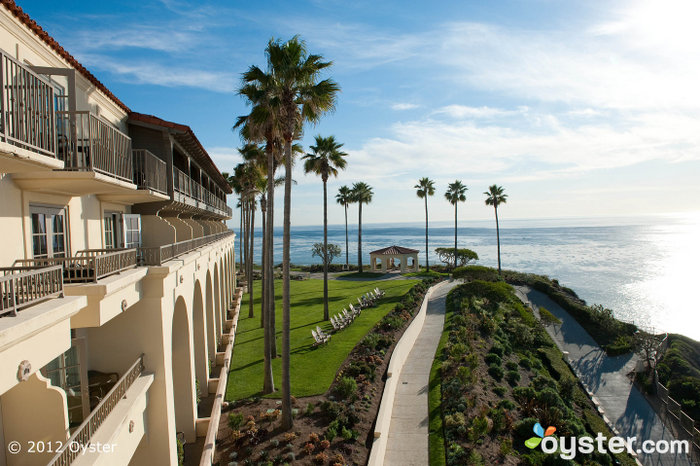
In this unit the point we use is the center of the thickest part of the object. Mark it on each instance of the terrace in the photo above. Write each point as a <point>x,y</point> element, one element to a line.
<point>190,192</point>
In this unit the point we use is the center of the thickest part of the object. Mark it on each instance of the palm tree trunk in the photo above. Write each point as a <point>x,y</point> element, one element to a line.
<point>347,253</point>
<point>427,265</point>
<point>268,380</point>
<point>240,239</point>
<point>454,265</point>
<point>263,281</point>
<point>287,421</point>
<point>325,252</point>
<point>271,253</point>
<point>359,241</point>
<point>251,308</point>
<point>498,239</point>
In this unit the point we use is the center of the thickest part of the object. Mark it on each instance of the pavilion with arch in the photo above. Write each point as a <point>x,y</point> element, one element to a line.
<point>394,257</point>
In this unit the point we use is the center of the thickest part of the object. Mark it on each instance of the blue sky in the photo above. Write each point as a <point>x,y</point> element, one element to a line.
<point>576,108</point>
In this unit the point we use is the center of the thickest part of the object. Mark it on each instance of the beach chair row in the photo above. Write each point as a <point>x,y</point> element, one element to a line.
<point>345,318</point>
<point>320,337</point>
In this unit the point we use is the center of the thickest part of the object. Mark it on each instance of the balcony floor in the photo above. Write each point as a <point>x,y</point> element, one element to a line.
<point>14,159</point>
<point>73,183</point>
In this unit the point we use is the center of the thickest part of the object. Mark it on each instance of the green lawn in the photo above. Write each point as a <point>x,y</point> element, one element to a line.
<point>312,369</point>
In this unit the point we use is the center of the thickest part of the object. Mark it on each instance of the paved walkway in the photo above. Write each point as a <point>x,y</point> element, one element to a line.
<point>408,434</point>
<point>606,377</point>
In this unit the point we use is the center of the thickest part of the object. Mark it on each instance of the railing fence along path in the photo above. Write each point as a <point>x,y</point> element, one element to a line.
<point>27,108</point>
<point>684,424</point>
<point>87,429</point>
<point>149,171</point>
<point>86,142</point>
<point>89,265</point>
<point>23,286</point>
<point>161,254</point>
<point>186,186</point>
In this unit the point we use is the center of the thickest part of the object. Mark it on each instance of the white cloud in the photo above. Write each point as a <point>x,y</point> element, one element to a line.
<point>404,106</point>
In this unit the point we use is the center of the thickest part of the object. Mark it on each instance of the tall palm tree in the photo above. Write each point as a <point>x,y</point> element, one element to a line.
<point>456,193</point>
<point>344,197</point>
<point>362,194</point>
<point>425,188</point>
<point>324,160</point>
<point>495,197</point>
<point>302,98</point>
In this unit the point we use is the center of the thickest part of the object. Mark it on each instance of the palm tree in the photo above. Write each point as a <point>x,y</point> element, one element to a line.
<point>344,197</point>
<point>455,194</point>
<point>425,188</point>
<point>362,194</point>
<point>325,160</point>
<point>495,197</point>
<point>302,97</point>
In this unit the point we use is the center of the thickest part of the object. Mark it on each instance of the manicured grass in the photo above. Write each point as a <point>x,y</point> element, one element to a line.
<point>361,275</point>
<point>312,369</point>
<point>425,274</point>
<point>436,434</point>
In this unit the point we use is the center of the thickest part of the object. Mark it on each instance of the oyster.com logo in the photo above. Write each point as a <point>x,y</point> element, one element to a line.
<point>533,442</point>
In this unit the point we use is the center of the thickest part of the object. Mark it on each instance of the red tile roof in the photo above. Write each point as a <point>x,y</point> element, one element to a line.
<point>394,250</point>
<point>188,139</point>
<point>55,46</point>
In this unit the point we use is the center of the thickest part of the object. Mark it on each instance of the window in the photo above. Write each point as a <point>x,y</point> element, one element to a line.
<point>112,224</point>
<point>132,230</point>
<point>68,372</point>
<point>48,232</point>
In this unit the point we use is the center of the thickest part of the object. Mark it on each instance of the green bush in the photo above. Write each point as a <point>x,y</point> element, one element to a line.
<point>346,388</point>
<point>497,350</point>
<point>506,404</point>
<point>513,377</point>
<point>547,317</point>
<point>477,272</point>
<point>492,358</point>
<point>500,390</point>
<point>235,420</point>
<point>525,363</point>
<point>510,365</point>
<point>496,372</point>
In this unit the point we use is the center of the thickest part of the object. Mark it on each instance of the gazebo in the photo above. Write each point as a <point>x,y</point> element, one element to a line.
<point>393,257</point>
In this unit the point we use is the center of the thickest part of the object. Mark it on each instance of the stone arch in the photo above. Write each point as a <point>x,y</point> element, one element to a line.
<point>224,291</point>
<point>199,321</point>
<point>217,301</point>
<point>182,373</point>
<point>211,318</point>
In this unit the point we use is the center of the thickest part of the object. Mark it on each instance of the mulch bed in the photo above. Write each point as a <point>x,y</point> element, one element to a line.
<point>350,413</point>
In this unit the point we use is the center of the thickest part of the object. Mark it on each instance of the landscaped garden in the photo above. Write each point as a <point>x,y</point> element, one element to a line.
<point>497,373</point>
<point>337,386</point>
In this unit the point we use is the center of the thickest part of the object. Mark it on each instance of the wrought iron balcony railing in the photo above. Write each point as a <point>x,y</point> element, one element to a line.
<point>87,429</point>
<point>27,106</point>
<point>161,254</point>
<point>149,171</point>
<point>21,287</point>
<point>87,266</point>
<point>190,188</point>
<point>88,143</point>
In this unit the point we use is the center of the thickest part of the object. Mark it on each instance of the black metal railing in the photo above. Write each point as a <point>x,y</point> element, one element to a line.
<point>88,266</point>
<point>161,254</point>
<point>88,143</point>
<point>149,171</point>
<point>21,287</point>
<point>81,437</point>
<point>27,106</point>
<point>186,186</point>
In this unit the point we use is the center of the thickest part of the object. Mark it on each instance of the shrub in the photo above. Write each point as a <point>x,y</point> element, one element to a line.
<point>391,322</point>
<point>497,350</point>
<point>235,420</point>
<point>324,445</point>
<point>330,409</point>
<point>510,365</point>
<point>492,358</point>
<point>523,429</point>
<point>548,318</point>
<point>513,377</point>
<point>309,448</point>
<point>525,363</point>
<point>289,437</point>
<point>321,458</point>
<point>506,404</point>
<point>500,390</point>
<point>477,272</point>
<point>523,394</point>
<point>313,437</point>
<point>346,388</point>
<point>338,458</point>
<point>549,397</point>
<point>567,386</point>
<point>496,372</point>
<point>348,434</point>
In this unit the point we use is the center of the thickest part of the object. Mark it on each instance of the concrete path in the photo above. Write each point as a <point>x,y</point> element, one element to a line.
<point>606,377</point>
<point>408,434</point>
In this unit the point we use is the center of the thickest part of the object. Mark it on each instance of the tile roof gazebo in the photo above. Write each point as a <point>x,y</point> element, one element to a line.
<point>391,255</point>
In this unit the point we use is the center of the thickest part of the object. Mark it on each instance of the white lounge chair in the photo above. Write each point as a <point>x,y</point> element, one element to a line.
<point>319,339</point>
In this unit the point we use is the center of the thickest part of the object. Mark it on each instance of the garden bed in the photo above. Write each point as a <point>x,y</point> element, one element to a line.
<point>333,428</point>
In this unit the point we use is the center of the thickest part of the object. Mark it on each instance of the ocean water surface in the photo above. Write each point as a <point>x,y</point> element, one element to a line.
<point>645,269</point>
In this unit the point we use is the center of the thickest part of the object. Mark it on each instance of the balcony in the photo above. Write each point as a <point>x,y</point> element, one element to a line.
<point>190,192</point>
<point>120,415</point>
<point>27,124</point>
<point>87,266</point>
<point>159,255</point>
<point>21,287</point>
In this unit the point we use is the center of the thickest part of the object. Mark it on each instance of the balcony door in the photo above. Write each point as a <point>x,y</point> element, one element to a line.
<point>48,232</point>
<point>122,230</point>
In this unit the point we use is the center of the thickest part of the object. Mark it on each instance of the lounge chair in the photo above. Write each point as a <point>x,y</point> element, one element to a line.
<point>318,339</point>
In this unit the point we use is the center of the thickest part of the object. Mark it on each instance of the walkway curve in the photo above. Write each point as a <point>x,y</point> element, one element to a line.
<point>407,442</point>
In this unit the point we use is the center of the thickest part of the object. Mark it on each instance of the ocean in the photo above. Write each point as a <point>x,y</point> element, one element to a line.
<point>645,269</point>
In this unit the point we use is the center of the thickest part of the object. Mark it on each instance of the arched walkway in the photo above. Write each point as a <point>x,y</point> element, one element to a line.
<point>200,340</point>
<point>182,373</point>
<point>211,319</point>
<point>217,301</point>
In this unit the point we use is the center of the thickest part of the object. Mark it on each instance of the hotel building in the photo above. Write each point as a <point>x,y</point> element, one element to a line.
<point>117,280</point>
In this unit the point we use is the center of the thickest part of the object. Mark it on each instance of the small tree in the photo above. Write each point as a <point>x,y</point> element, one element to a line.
<point>463,256</point>
<point>331,253</point>
<point>649,346</point>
